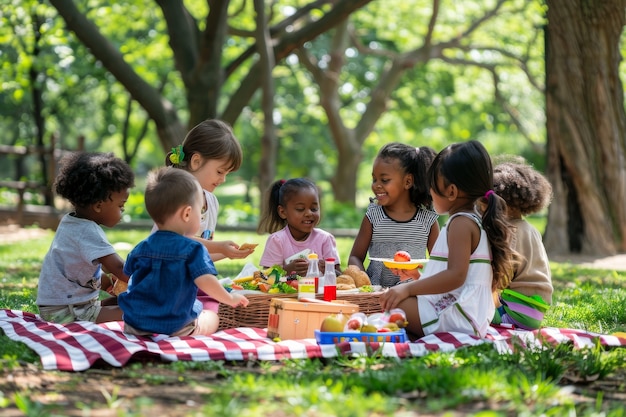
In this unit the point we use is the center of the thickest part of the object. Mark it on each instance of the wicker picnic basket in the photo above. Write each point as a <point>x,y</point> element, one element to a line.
<point>255,314</point>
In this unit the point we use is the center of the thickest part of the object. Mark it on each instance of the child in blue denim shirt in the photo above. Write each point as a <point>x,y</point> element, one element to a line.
<point>168,267</point>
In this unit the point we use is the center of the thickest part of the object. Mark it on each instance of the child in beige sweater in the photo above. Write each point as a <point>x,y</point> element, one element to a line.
<point>529,294</point>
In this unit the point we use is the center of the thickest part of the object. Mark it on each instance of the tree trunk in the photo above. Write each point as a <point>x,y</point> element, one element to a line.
<point>269,142</point>
<point>586,127</point>
<point>170,130</point>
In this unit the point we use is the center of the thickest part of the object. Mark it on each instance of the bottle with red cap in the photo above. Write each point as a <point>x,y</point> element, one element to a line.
<point>330,280</point>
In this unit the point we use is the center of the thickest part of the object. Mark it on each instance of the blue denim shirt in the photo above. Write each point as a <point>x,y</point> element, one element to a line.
<point>161,296</point>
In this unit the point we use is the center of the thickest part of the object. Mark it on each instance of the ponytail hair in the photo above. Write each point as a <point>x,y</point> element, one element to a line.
<point>212,139</point>
<point>278,194</point>
<point>414,161</point>
<point>468,166</point>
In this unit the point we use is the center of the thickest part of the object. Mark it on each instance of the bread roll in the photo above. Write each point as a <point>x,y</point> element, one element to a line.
<point>343,287</point>
<point>360,277</point>
<point>345,280</point>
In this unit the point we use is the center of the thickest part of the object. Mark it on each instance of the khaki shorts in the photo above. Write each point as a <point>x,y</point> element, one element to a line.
<point>205,324</point>
<point>185,331</point>
<point>73,312</point>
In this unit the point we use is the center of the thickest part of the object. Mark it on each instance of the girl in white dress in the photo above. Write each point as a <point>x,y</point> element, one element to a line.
<point>472,256</point>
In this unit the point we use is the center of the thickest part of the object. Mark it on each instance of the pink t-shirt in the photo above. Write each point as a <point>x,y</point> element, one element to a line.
<point>281,245</point>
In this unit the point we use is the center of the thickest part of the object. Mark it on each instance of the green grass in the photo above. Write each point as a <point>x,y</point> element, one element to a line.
<point>472,381</point>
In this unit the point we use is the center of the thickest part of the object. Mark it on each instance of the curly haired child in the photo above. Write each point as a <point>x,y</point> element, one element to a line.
<point>526,191</point>
<point>80,258</point>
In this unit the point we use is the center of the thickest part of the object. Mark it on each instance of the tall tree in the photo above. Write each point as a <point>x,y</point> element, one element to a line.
<point>333,73</point>
<point>198,49</point>
<point>586,125</point>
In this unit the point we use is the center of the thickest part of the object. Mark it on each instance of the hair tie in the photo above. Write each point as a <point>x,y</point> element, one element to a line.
<point>488,194</point>
<point>282,182</point>
<point>177,156</point>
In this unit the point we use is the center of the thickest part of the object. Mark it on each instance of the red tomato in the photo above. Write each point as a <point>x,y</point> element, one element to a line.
<point>293,283</point>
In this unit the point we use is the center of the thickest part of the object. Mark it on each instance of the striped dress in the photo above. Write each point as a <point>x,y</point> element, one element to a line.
<point>390,236</point>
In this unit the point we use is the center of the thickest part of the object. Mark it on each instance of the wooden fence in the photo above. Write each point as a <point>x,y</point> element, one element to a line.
<point>47,215</point>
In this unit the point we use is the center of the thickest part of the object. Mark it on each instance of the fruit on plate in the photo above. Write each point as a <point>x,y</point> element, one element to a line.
<point>393,327</point>
<point>355,322</point>
<point>369,328</point>
<point>333,323</point>
<point>398,317</point>
<point>402,256</point>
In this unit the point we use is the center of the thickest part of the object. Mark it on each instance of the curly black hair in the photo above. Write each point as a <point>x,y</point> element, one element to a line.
<point>87,178</point>
<point>522,187</point>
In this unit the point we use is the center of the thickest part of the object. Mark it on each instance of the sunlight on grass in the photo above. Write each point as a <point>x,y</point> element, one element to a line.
<point>477,380</point>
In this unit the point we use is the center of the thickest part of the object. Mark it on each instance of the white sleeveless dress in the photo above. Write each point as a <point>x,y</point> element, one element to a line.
<point>469,308</point>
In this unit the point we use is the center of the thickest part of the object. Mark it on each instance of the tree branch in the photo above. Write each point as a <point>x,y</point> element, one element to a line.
<point>340,11</point>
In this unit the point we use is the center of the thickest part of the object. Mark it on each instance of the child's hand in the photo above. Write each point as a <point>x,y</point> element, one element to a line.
<point>300,266</point>
<point>407,274</point>
<point>393,296</point>
<point>238,300</point>
<point>231,250</point>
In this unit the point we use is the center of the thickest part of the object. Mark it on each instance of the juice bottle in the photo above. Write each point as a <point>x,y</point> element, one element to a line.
<point>330,280</point>
<point>306,287</point>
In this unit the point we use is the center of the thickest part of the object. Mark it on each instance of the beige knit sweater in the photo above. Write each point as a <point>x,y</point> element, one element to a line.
<point>533,275</point>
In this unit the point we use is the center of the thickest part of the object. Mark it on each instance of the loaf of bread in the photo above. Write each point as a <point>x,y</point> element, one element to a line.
<point>360,277</point>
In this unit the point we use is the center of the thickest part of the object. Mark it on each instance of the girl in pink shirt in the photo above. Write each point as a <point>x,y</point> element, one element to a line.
<point>292,212</point>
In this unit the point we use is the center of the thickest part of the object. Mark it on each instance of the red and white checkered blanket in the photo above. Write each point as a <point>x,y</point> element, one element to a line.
<point>78,346</point>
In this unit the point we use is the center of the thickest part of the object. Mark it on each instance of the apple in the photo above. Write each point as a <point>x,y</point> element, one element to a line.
<point>332,323</point>
<point>398,317</point>
<point>402,256</point>
<point>354,324</point>
<point>293,283</point>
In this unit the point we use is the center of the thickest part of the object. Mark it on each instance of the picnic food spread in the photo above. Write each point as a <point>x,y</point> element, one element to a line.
<point>358,327</point>
<point>275,280</point>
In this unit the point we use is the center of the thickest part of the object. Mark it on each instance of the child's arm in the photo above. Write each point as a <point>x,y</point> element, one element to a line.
<point>223,249</point>
<point>432,236</point>
<point>210,285</point>
<point>463,237</point>
<point>114,264</point>
<point>361,244</point>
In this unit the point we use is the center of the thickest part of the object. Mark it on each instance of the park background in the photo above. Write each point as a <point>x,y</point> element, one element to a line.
<point>315,88</point>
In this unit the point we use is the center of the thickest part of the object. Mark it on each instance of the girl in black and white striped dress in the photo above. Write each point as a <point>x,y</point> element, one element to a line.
<point>400,217</point>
